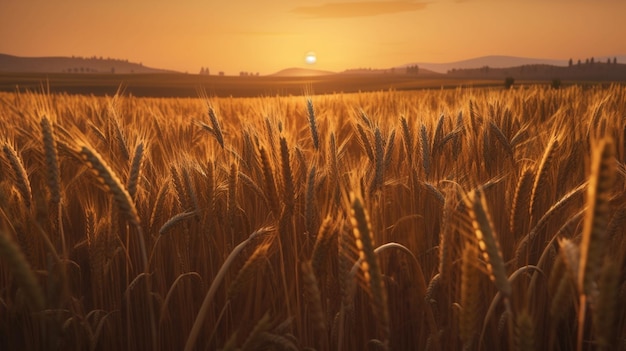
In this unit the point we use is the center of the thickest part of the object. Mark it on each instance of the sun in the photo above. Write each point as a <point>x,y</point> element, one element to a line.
<point>310,58</point>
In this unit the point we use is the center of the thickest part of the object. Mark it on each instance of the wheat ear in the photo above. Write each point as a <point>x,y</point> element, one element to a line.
<point>110,180</point>
<point>313,124</point>
<point>52,160</point>
<point>605,317</point>
<point>361,228</point>
<point>519,207</point>
<point>288,187</point>
<point>206,303</point>
<point>21,178</point>
<point>425,143</point>
<point>313,295</point>
<point>216,130</point>
<point>135,167</point>
<point>593,243</point>
<point>469,318</point>
<point>22,271</point>
<point>169,225</point>
<point>488,243</point>
<point>541,178</point>
<point>524,332</point>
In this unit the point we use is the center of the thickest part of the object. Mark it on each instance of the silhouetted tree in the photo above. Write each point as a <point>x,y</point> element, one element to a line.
<point>591,61</point>
<point>614,60</point>
<point>412,69</point>
<point>586,61</point>
<point>571,62</point>
<point>579,62</point>
<point>508,82</point>
<point>608,61</point>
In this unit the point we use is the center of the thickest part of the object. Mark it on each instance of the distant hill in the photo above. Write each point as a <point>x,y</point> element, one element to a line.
<point>420,72</point>
<point>9,63</point>
<point>301,72</point>
<point>496,61</point>
<point>597,71</point>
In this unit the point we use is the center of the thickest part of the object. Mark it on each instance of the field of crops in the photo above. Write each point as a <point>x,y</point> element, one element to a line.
<point>434,220</point>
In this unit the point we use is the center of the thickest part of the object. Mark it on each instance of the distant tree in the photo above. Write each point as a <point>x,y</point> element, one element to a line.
<point>614,60</point>
<point>201,70</point>
<point>579,62</point>
<point>508,82</point>
<point>608,61</point>
<point>586,61</point>
<point>571,62</point>
<point>412,69</point>
<point>591,61</point>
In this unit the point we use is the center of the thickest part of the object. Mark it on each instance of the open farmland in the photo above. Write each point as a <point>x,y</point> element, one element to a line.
<point>188,85</point>
<point>434,220</point>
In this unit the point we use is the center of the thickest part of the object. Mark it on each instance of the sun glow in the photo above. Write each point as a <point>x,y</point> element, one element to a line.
<point>310,58</point>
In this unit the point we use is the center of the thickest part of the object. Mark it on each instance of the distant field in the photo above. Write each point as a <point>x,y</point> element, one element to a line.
<point>188,85</point>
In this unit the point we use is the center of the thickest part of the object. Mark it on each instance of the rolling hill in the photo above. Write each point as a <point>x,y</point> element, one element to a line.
<point>58,64</point>
<point>498,61</point>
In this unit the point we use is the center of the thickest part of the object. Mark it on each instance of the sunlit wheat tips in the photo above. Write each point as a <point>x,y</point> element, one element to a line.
<point>133,177</point>
<point>407,138</point>
<point>593,244</point>
<point>216,129</point>
<point>426,152</point>
<point>541,178</point>
<point>313,124</point>
<point>288,186</point>
<point>21,178</point>
<point>323,241</point>
<point>110,180</point>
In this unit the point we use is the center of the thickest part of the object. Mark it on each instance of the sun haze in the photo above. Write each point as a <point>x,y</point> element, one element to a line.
<point>268,36</point>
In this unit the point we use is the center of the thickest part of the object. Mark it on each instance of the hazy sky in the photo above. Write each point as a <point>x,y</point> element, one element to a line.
<point>266,36</point>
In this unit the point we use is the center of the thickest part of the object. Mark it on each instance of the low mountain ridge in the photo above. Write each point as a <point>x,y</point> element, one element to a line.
<point>60,64</point>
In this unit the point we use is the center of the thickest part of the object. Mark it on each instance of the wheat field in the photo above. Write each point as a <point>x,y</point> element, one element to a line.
<point>462,219</point>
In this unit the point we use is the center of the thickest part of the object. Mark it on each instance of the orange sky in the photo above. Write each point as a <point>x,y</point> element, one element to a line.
<point>266,36</point>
